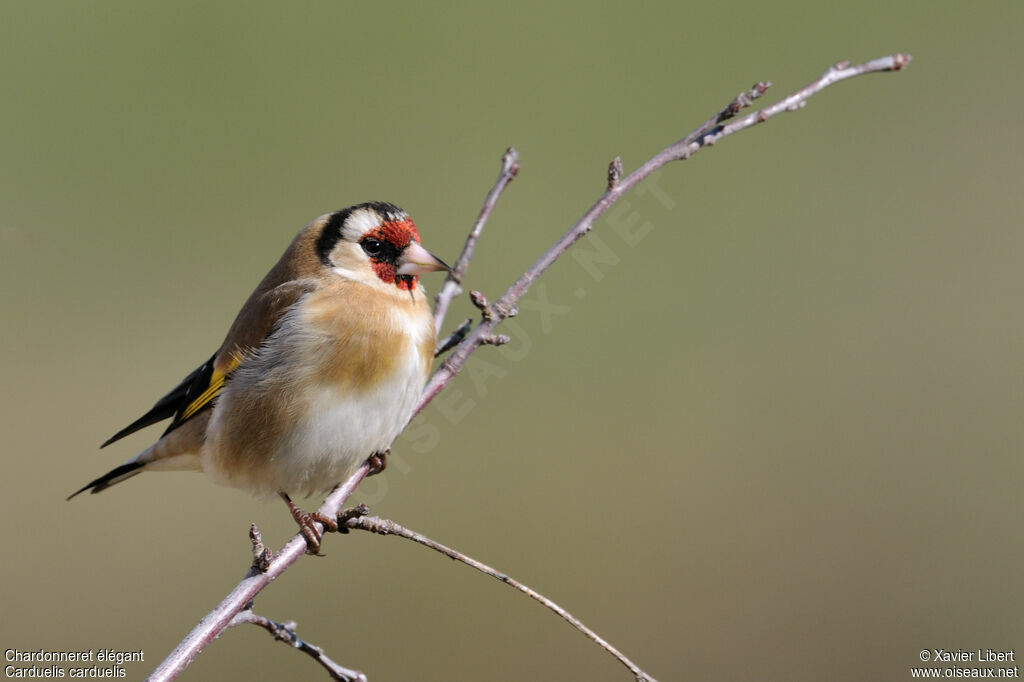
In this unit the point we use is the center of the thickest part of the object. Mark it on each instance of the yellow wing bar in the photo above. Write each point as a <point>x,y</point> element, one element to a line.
<point>216,384</point>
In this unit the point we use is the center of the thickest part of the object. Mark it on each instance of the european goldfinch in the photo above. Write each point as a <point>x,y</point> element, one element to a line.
<point>319,372</point>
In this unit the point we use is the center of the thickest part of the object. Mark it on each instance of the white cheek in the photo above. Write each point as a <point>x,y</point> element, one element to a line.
<point>346,273</point>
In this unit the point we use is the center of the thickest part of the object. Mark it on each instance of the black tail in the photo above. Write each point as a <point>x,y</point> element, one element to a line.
<point>121,473</point>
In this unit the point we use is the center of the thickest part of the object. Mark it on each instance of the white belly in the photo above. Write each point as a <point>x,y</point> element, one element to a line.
<point>281,425</point>
<point>339,431</point>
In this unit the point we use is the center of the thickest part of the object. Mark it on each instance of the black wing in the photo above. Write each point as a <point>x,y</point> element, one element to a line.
<point>178,403</point>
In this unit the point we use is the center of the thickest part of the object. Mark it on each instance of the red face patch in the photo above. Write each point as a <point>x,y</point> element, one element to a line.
<point>398,233</point>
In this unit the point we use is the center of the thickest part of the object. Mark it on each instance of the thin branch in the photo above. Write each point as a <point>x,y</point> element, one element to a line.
<point>452,285</point>
<point>285,632</point>
<point>214,623</point>
<point>710,132</point>
<point>381,526</point>
<point>713,130</point>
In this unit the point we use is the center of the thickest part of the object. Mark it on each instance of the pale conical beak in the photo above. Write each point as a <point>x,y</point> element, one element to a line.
<point>415,260</point>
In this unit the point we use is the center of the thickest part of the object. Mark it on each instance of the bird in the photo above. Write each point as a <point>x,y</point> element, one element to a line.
<point>320,371</point>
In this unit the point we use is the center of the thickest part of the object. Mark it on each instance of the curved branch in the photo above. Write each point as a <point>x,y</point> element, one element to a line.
<point>381,526</point>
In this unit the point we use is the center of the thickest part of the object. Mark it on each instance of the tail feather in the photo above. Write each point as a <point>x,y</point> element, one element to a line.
<point>175,451</point>
<point>121,473</point>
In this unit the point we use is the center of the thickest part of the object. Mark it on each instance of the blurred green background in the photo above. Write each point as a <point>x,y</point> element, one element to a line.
<point>777,438</point>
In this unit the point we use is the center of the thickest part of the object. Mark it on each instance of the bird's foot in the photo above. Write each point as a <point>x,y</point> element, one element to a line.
<point>378,462</point>
<point>307,525</point>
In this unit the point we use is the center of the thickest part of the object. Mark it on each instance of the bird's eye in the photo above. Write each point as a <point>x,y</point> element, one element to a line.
<point>372,247</point>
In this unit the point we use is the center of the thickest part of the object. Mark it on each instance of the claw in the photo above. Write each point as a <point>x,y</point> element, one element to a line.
<point>378,462</point>
<point>307,525</point>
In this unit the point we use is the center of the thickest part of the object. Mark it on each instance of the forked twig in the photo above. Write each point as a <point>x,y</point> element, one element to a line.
<point>705,135</point>
<point>259,576</point>
<point>285,632</point>
<point>452,284</point>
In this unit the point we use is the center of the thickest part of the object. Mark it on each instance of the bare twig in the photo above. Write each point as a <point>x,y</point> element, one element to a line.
<point>285,632</point>
<point>381,526</point>
<point>213,623</point>
<point>452,285</point>
<point>710,132</point>
<point>713,130</point>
